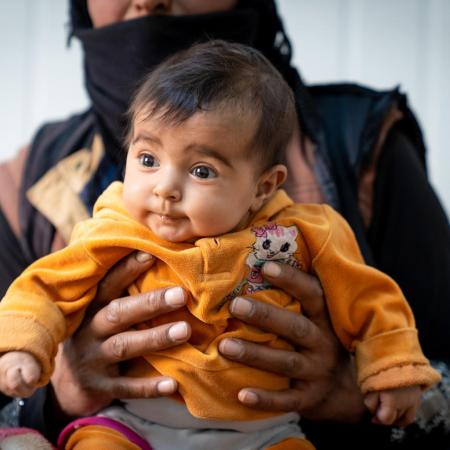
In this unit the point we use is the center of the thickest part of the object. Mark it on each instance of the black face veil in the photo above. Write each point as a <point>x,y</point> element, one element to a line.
<point>117,56</point>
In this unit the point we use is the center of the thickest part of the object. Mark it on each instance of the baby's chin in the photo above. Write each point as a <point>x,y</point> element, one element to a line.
<point>173,235</point>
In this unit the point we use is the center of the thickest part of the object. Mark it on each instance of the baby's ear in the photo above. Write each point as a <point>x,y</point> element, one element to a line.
<point>267,184</point>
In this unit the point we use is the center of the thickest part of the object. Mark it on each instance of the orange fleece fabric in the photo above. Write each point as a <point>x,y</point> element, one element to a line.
<point>99,437</point>
<point>368,311</point>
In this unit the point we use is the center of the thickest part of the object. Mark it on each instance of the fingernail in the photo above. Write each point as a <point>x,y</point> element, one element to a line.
<point>248,397</point>
<point>166,386</point>
<point>178,332</point>
<point>241,307</point>
<point>231,347</point>
<point>143,257</point>
<point>272,269</point>
<point>174,296</point>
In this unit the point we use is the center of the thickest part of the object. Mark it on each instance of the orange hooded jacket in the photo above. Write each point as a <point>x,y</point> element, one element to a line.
<point>367,309</point>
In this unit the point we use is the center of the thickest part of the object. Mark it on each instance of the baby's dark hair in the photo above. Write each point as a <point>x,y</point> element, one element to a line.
<point>215,75</point>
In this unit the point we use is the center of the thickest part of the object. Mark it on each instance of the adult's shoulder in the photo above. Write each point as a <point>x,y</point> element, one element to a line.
<point>353,123</point>
<point>54,141</point>
<point>353,116</point>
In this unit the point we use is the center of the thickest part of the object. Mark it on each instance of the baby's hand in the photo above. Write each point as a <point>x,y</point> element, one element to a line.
<point>394,406</point>
<point>19,374</point>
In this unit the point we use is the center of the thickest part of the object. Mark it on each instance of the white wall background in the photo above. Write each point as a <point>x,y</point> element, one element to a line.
<point>382,43</point>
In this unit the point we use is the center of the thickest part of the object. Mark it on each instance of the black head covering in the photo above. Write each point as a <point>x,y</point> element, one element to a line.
<point>79,15</point>
<point>117,56</point>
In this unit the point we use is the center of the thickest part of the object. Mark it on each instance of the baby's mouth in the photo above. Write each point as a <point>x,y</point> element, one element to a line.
<point>168,219</point>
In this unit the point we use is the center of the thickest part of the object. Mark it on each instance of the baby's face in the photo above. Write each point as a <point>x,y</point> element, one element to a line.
<point>194,179</point>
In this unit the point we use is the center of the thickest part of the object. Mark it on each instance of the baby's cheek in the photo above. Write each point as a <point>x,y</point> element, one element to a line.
<point>213,219</point>
<point>134,207</point>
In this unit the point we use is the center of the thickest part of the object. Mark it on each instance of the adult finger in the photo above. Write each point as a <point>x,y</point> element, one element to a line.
<point>296,328</point>
<point>287,400</point>
<point>132,344</point>
<point>300,285</point>
<point>128,387</point>
<point>121,314</point>
<point>121,276</point>
<point>286,363</point>
<point>313,398</point>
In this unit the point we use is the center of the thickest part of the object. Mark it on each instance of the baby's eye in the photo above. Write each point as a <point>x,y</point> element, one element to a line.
<point>148,160</point>
<point>203,172</point>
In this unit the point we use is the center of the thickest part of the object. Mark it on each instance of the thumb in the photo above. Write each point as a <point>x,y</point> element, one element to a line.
<point>371,401</point>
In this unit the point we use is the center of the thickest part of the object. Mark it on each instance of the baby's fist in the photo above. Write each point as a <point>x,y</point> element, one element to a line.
<point>19,374</point>
<point>396,407</point>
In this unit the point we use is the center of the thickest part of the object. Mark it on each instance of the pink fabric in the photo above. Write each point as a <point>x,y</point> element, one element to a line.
<point>24,438</point>
<point>130,434</point>
<point>5,432</point>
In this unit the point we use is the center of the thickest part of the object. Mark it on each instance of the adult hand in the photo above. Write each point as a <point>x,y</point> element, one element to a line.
<point>87,376</point>
<point>323,376</point>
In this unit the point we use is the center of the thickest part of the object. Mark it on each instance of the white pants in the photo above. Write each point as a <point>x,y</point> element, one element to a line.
<point>164,437</point>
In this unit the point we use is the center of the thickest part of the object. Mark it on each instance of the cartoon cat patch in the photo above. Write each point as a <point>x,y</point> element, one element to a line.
<point>272,243</point>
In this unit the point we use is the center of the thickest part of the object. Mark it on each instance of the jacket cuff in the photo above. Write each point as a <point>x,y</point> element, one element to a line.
<point>398,350</point>
<point>403,376</point>
<point>22,333</point>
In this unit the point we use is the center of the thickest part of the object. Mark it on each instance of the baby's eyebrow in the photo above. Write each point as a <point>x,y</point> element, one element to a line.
<point>207,151</point>
<point>146,137</point>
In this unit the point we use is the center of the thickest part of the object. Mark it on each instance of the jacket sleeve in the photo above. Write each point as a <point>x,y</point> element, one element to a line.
<point>47,302</point>
<point>369,313</point>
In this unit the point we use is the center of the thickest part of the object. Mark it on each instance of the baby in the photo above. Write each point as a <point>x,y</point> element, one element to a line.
<point>208,132</point>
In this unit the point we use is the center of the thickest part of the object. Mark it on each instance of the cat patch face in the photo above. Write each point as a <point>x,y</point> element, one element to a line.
<point>275,242</point>
<point>272,243</point>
